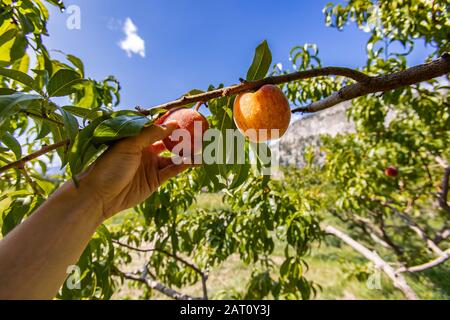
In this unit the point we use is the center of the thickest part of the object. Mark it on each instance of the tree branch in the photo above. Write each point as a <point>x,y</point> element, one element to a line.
<point>441,259</point>
<point>157,286</point>
<point>202,274</point>
<point>384,83</point>
<point>413,226</point>
<point>397,279</point>
<point>254,85</point>
<point>365,85</point>
<point>442,235</point>
<point>419,231</point>
<point>371,229</point>
<point>444,190</point>
<point>21,162</point>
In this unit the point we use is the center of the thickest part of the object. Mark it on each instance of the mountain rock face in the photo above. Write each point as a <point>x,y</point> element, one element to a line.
<point>306,132</point>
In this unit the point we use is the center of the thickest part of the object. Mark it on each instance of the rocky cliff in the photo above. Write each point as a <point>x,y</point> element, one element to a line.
<point>306,132</point>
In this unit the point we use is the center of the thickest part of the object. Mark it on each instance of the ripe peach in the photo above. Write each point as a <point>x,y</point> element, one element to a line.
<point>391,171</point>
<point>267,108</point>
<point>186,119</point>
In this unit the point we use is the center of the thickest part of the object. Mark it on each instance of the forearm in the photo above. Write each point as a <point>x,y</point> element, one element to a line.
<point>34,256</point>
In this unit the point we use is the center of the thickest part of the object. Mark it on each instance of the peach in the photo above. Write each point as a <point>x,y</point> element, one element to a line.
<point>186,119</point>
<point>264,110</point>
<point>391,171</point>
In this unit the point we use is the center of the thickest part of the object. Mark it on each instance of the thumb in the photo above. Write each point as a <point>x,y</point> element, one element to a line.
<point>154,133</point>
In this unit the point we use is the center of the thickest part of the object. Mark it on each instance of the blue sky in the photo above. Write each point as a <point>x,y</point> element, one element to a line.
<point>191,44</point>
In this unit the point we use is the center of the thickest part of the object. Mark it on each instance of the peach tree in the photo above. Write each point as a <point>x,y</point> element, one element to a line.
<point>386,183</point>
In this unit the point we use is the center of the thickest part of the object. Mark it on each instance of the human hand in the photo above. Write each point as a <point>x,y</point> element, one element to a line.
<point>130,170</point>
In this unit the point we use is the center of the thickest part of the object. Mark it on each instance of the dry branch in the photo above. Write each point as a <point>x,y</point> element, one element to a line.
<point>254,85</point>
<point>444,191</point>
<point>203,275</point>
<point>21,162</point>
<point>158,287</point>
<point>441,259</point>
<point>419,231</point>
<point>397,279</point>
<point>365,84</point>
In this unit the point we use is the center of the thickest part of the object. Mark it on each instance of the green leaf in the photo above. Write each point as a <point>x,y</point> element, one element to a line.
<point>8,103</point>
<point>83,149</point>
<point>19,47</point>
<point>18,76</point>
<point>77,63</point>
<point>7,36</point>
<point>261,62</point>
<point>41,79</point>
<point>62,83</point>
<point>84,113</point>
<point>87,95</point>
<point>119,127</point>
<point>6,91</point>
<point>241,176</point>
<point>12,143</point>
<point>44,129</point>
<point>13,216</point>
<point>59,135</point>
<point>70,123</point>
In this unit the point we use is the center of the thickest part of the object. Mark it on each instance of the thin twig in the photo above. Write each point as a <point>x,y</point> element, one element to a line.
<point>21,162</point>
<point>157,286</point>
<point>187,263</point>
<point>254,85</point>
<point>202,274</point>
<point>397,279</point>
<point>439,260</point>
<point>444,191</point>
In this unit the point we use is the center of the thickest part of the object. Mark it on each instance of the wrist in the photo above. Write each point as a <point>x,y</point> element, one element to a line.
<point>85,202</point>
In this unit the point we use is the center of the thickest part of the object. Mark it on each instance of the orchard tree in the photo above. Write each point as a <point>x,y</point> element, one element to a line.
<point>184,242</point>
<point>388,182</point>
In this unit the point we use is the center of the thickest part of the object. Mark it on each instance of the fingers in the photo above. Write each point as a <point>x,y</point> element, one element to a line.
<point>167,161</point>
<point>154,133</point>
<point>158,147</point>
<point>171,171</point>
<point>164,162</point>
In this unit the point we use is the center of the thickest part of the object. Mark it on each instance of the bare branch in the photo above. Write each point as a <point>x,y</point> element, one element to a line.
<point>384,83</point>
<point>254,85</point>
<point>187,263</point>
<point>441,162</point>
<point>444,191</point>
<point>158,286</point>
<point>397,279</point>
<point>439,260</point>
<point>413,226</point>
<point>442,235</point>
<point>21,162</point>
<point>202,274</point>
<point>375,232</point>
<point>419,231</point>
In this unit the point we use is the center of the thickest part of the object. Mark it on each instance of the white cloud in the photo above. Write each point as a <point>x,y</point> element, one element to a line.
<point>132,43</point>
